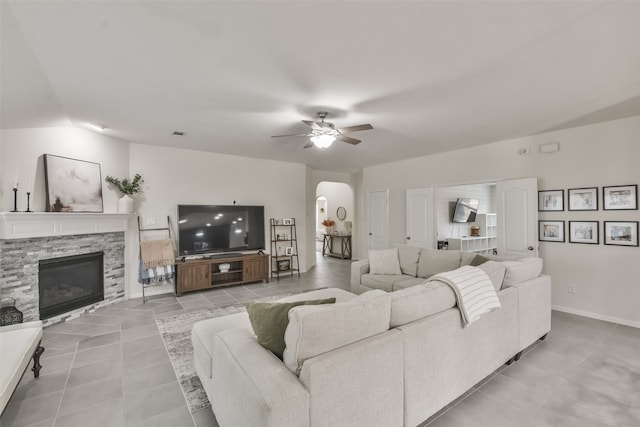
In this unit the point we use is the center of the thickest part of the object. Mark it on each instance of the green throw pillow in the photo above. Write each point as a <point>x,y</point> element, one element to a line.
<point>270,319</point>
<point>478,260</point>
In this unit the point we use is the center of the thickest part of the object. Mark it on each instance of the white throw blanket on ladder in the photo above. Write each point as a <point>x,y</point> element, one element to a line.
<point>474,291</point>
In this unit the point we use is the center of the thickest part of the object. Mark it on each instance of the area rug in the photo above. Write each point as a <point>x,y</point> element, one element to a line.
<point>176,335</point>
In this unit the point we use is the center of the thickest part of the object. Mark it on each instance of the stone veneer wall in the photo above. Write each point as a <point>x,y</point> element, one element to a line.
<point>19,268</point>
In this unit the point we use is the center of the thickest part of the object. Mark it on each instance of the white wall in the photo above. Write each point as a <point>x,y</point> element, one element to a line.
<point>607,277</point>
<point>22,151</point>
<point>175,176</point>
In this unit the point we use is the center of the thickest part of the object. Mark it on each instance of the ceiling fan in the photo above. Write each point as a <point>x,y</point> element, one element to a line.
<point>324,133</point>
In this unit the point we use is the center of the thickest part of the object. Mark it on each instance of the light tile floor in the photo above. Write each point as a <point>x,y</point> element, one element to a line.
<point>110,368</point>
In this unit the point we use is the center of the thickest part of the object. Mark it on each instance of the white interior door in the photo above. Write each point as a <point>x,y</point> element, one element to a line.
<point>378,204</point>
<point>420,218</point>
<point>517,209</point>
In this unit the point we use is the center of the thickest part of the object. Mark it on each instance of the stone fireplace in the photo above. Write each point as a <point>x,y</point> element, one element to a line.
<point>31,243</point>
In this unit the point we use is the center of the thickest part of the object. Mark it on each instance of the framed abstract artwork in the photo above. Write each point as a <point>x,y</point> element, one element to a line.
<point>72,185</point>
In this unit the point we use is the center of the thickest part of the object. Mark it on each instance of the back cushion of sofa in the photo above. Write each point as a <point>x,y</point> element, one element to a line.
<point>466,258</point>
<point>409,257</point>
<point>314,330</point>
<point>496,271</point>
<point>384,261</point>
<point>433,261</point>
<point>416,302</point>
<point>521,270</point>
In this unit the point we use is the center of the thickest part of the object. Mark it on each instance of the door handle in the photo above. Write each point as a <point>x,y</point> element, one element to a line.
<point>530,248</point>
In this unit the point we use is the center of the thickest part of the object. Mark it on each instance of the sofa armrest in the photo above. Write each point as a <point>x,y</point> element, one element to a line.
<point>534,309</point>
<point>252,386</point>
<point>358,268</point>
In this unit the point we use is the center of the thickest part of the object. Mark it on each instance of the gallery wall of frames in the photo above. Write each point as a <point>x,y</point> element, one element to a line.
<point>613,198</point>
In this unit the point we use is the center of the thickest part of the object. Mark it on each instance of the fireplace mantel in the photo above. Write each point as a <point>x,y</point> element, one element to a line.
<point>24,225</point>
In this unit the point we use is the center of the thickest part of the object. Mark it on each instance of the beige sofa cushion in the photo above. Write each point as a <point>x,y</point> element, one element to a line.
<point>495,271</point>
<point>386,282</point>
<point>384,262</point>
<point>204,331</point>
<point>466,258</point>
<point>520,270</point>
<point>269,320</point>
<point>419,301</point>
<point>404,284</point>
<point>409,257</point>
<point>314,330</point>
<point>433,261</point>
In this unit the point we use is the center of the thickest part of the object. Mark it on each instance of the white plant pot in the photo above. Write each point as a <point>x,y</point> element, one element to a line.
<point>125,204</point>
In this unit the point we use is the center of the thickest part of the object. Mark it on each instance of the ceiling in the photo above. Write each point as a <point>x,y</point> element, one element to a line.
<point>429,76</point>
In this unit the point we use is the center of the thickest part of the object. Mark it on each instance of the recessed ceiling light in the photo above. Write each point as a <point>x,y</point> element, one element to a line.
<point>179,133</point>
<point>99,128</point>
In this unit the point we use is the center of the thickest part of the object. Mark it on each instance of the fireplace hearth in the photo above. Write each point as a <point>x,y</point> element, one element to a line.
<point>70,282</point>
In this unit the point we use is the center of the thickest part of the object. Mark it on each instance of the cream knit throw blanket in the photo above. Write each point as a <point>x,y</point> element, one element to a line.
<point>157,253</point>
<point>474,291</point>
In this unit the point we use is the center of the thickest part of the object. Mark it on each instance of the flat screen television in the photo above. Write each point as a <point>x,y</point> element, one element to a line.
<point>206,229</point>
<point>465,210</point>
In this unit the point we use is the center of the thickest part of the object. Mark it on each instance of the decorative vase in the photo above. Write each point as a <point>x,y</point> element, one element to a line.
<point>125,204</point>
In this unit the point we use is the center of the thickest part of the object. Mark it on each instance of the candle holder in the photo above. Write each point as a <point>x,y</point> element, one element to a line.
<point>28,197</point>
<point>15,199</point>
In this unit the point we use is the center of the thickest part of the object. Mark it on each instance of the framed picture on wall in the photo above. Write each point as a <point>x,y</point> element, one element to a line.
<point>620,197</point>
<point>583,199</point>
<point>72,185</point>
<point>621,233</point>
<point>551,200</point>
<point>551,231</point>
<point>584,232</point>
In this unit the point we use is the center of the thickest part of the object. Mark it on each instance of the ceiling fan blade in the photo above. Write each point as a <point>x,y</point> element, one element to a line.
<point>313,124</point>
<point>308,145</point>
<point>355,128</point>
<point>294,134</point>
<point>348,139</point>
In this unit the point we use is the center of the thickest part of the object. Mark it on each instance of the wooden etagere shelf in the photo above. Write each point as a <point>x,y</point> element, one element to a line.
<point>284,246</point>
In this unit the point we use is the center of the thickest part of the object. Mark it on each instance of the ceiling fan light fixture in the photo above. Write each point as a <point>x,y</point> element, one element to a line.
<point>323,141</point>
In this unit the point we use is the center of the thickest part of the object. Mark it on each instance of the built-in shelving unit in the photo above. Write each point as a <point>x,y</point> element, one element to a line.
<point>485,243</point>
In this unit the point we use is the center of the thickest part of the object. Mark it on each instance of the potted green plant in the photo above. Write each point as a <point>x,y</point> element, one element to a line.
<point>128,188</point>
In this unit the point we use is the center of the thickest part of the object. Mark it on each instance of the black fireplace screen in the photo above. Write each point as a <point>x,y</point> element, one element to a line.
<point>70,282</point>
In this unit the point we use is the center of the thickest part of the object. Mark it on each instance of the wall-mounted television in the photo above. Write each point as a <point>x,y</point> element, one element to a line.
<point>465,210</point>
<point>206,229</point>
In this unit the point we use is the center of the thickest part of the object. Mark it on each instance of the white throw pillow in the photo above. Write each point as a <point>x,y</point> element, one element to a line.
<point>384,261</point>
<point>526,268</point>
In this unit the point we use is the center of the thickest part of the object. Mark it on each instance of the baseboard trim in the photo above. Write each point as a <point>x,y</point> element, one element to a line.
<point>596,316</point>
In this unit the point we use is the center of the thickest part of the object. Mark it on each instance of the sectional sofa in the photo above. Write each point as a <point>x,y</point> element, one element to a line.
<point>387,357</point>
